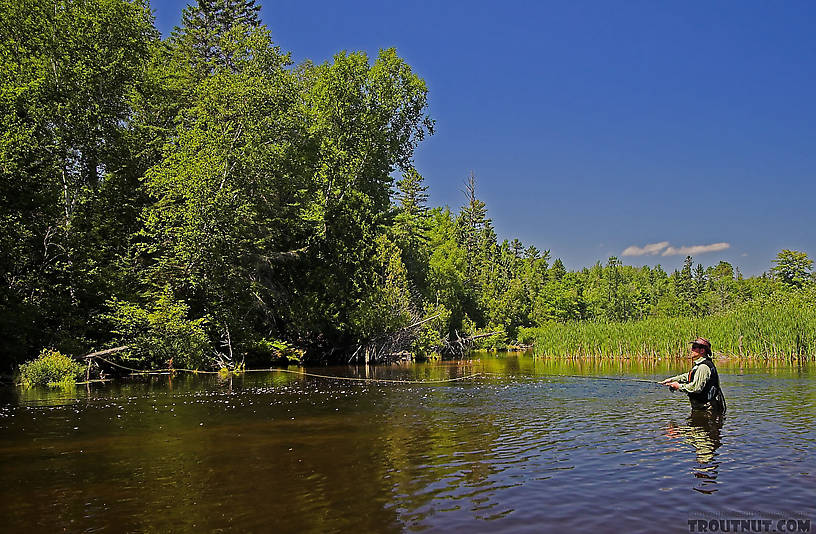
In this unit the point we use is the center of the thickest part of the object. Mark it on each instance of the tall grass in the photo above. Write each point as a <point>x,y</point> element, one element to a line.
<point>782,326</point>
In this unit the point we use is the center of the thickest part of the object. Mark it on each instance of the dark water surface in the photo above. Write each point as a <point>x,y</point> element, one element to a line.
<point>517,451</point>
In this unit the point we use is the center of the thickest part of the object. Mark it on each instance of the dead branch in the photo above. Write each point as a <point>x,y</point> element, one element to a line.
<point>479,336</point>
<point>106,351</point>
<point>422,321</point>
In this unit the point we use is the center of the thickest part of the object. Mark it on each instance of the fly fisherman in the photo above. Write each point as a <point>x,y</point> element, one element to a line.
<point>702,383</point>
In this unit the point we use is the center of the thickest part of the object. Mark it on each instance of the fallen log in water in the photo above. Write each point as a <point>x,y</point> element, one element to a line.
<point>106,351</point>
<point>461,345</point>
<point>384,348</point>
<point>90,357</point>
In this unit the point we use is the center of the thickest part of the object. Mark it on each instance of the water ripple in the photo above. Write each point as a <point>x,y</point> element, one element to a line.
<point>515,452</point>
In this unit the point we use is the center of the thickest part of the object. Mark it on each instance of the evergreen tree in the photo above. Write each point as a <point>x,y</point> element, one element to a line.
<point>412,195</point>
<point>472,221</point>
<point>557,271</point>
<point>411,226</point>
<point>517,247</point>
<point>532,253</point>
<point>207,28</point>
<point>792,268</point>
<point>700,277</point>
<point>684,282</point>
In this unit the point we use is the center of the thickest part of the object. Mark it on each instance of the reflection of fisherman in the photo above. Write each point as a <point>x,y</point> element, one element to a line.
<point>702,431</point>
<point>702,383</point>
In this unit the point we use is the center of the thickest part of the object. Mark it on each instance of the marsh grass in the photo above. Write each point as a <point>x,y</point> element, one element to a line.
<point>782,327</point>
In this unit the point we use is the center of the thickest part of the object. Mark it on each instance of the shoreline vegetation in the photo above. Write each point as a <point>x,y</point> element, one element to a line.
<point>782,327</point>
<point>211,205</point>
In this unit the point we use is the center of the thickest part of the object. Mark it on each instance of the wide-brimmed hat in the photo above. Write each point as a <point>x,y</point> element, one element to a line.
<point>703,342</point>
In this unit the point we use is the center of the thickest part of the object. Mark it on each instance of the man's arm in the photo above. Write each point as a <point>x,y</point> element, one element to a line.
<point>681,379</point>
<point>700,378</point>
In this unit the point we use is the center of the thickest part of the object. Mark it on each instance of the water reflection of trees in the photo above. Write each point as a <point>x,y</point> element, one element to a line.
<point>428,463</point>
<point>702,430</point>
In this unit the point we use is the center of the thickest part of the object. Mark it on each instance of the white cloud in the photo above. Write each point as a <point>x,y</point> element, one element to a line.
<point>695,249</point>
<point>664,249</point>
<point>649,250</point>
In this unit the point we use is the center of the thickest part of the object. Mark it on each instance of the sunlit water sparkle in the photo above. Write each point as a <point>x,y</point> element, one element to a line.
<point>518,450</point>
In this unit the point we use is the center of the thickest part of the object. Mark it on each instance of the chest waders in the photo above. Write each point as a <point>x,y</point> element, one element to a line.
<point>711,394</point>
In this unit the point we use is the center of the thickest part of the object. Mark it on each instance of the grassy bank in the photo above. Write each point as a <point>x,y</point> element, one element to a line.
<point>773,328</point>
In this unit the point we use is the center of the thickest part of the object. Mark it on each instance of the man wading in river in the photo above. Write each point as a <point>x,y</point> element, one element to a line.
<point>702,383</point>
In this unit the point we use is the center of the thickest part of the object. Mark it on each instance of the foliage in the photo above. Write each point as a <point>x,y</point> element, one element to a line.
<point>792,268</point>
<point>527,335</point>
<point>432,332</point>
<point>161,335</point>
<point>278,352</point>
<point>494,338</point>
<point>68,70</point>
<point>202,199</point>
<point>51,368</point>
<point>387,305</point>
<point>411,227</point>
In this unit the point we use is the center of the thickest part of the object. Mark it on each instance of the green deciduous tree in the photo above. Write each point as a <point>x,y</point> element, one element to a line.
<point>270,201</point>
<point>68,71</point>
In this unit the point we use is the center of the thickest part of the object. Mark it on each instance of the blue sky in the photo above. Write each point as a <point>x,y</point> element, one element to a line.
<point>595,128</point>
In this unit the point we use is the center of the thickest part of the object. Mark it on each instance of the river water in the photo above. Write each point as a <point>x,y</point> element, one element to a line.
<point>520,449</point>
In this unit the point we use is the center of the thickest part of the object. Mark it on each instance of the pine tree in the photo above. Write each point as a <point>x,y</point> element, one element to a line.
<point>684,286</point>
<point>517,247</point>
<point>700,278</point>
<point>532,253</point>
<point>205,27</point>
<point>792,268</point>
<point>412,224</point>
<point>557,271</point>
<point>412,196</point>
<point>472,221</point>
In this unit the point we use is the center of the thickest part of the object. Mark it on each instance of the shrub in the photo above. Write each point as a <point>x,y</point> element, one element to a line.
<point>51,368</point>
<point>430,335</point>
<point>526,335</point>
<point>278,352</point>
<point>497,340</point>
<point>161,332</point>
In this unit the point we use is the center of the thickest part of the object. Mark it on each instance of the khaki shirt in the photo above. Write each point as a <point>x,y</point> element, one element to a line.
<point>700,378</point>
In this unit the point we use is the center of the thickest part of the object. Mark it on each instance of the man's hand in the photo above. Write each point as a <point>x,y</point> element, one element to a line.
<point>674,385</point>
<point>666,382</point>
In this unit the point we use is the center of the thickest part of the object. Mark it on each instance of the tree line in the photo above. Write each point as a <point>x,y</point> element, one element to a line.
<point>203,199</point>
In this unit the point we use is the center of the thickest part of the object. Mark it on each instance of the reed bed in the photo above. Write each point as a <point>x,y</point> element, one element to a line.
<point>779,328</point>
